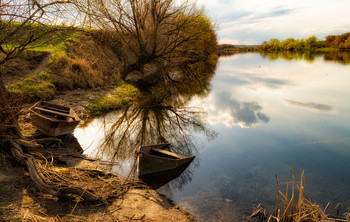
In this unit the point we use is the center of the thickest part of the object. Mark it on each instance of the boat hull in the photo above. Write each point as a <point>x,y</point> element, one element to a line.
<point>151,165</point>
<point>157,180</point>
<point>54,126</point>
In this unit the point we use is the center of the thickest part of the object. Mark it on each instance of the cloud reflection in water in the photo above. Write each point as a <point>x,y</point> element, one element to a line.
<point>316,107</point>
<point>233,112</point>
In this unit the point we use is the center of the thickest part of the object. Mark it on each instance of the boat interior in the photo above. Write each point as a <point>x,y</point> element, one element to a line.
<point>57,112</point>
<point>164,153</point>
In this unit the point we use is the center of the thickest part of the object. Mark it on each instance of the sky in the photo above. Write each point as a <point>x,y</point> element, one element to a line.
<point>255,21</point>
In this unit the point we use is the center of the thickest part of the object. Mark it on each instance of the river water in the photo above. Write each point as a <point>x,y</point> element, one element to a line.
<point>271,115</point>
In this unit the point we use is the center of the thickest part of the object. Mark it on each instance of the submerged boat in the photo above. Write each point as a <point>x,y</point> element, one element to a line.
<point>153,160</point>
<point>52,119</point>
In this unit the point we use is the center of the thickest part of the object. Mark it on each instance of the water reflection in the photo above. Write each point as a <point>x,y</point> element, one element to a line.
<point>234,112</point>
<point>270,101</point>
<point>160,114</point>
<point>237,169</point>
<point>342,57</point>
<point>312,106</point>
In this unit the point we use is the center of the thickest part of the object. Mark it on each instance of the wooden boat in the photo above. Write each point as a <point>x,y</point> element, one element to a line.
<point>153,159</point>
<point>53,120</point>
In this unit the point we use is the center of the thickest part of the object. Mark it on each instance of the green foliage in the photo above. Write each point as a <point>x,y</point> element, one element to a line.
<point>311,42</point>
<point>347,43</point>
<point>274,44</point>
<point>287,44</point>
<point>204,43</point>
<point>332,43</point>
<point>39,85</point>
<point>290,44</point>
<point>115,100</point>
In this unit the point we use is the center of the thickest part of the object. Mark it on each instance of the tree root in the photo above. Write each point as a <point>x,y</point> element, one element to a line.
<point>50,140</point>
<point>28,144</point>
<point>56,189</point>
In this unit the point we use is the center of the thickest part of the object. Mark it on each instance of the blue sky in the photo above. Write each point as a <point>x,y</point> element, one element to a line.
<point>254,21</point>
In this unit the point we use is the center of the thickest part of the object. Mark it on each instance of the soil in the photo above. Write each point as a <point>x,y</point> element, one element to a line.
<point>28,64</point>
<point>20,200</point>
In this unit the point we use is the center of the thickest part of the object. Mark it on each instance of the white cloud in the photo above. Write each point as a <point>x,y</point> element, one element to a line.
<point>253,21</point>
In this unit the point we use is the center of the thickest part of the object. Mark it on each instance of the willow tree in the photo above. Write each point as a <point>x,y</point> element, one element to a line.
<point>25,24</point>
<point>153,34</point>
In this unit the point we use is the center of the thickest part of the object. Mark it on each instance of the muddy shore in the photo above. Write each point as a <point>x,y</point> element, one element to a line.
<point>21,200</point>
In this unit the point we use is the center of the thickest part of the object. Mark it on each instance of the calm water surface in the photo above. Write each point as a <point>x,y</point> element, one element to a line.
<point>271,116</point>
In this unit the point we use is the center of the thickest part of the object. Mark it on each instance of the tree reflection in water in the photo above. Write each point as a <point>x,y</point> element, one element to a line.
<point>161,114</point>
<point>342,57</point>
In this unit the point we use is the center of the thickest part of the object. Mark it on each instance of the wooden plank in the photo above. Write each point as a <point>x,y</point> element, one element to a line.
<point>54,112</point>
<point>167,153</point>
<point>54,109</point>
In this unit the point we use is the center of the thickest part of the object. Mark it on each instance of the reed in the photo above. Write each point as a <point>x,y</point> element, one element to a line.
<point>302,211</point>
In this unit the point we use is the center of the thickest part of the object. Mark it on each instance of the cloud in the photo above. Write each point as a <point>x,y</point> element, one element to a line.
<point>233,112</point>
<point>252,78</point>
<point>311,106</point>
<point>233,16</point>
<point>251,27</point>
<point>269,82</point>
<point>250,17</point>
<point>225,1</point>
<point>254,21</point>
<point>277,12</point>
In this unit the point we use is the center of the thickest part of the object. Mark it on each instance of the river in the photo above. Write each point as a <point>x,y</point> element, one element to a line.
<point>267,115</point>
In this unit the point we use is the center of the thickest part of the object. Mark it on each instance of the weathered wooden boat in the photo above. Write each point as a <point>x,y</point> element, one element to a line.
<point>153,159</point>
<point>52,119</point>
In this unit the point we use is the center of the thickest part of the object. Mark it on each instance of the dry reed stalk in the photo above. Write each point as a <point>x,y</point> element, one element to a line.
<point>293,187</point>
<point>305,210</point>
<point>278,195</point>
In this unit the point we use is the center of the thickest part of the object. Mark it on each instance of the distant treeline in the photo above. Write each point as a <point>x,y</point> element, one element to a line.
<point>332,42</point>
<point>229,49</point>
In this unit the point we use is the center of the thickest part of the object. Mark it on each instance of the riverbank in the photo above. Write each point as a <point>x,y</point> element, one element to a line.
<point>21,200</point>
<point>45,79</point>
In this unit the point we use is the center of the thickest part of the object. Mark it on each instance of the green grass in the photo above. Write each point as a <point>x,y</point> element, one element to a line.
<point>116,99</point>
<point>39,85</point>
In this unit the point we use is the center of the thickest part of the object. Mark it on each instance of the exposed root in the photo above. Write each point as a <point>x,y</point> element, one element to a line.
<point>61,183</point>
<point>49,140</point>
<point>67,182</point>
<point>28,144</point>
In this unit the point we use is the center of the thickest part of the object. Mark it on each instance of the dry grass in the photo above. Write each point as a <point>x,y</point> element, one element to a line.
<point>294,207</point>
<point>75,73</point>
<point>88,61</point>
<point>84,61</point>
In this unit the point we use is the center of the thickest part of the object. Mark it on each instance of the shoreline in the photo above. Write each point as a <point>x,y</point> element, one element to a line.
<point>143,203</point>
